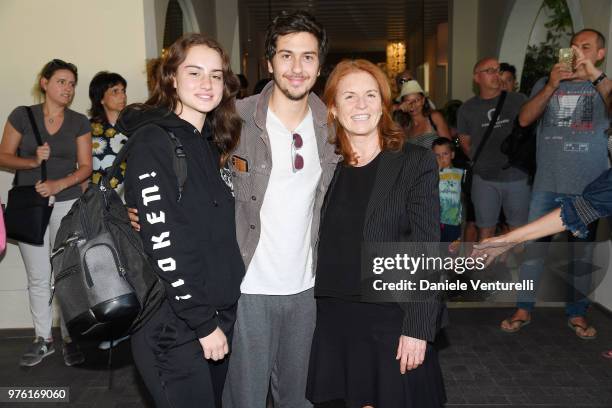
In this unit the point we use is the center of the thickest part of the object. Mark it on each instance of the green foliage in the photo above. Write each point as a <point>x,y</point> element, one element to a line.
<point>540,58</point>
<point>561,19</point>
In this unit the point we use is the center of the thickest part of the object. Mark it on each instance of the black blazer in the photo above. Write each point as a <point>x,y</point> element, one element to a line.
<point>405,207</point>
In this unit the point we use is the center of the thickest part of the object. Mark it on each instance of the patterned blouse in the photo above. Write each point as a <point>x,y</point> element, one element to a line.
<point>106,143</point>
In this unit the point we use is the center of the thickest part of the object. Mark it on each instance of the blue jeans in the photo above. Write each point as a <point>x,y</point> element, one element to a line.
<point>543,202</point>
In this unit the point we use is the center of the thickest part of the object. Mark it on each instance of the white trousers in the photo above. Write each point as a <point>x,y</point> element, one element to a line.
<point>37,260</point>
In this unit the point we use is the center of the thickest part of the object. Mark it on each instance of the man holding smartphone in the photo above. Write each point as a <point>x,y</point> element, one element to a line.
<point>570,106</point>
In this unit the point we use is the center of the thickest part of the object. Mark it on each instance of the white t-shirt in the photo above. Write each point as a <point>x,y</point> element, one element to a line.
<point>282,263</point>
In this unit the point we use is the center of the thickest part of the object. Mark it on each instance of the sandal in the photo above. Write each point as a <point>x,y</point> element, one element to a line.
<point>521,323</point>
<point>607,354</point>
<point>574,327</point>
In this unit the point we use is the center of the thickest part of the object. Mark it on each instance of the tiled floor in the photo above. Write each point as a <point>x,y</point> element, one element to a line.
<point>544,365</point>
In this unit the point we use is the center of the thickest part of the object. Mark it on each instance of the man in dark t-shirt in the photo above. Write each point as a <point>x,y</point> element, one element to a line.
<point>494,186</point>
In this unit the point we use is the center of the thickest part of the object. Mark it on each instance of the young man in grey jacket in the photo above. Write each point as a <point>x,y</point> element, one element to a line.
<point>281,171</point>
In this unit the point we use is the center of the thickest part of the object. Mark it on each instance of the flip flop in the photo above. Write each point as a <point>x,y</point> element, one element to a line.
<point>574,327</point>
<point>607,354</point>
<point>522,323</point>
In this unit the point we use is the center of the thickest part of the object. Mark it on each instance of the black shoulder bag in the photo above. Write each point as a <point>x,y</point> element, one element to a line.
<point>27,212</point>
<point>469,172</point>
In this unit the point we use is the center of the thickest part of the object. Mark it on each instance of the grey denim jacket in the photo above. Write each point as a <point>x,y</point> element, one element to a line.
<point>253,152</point>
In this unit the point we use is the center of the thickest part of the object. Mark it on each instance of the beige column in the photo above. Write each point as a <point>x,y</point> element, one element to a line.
<point>228,33</point>
<point>463,47</point>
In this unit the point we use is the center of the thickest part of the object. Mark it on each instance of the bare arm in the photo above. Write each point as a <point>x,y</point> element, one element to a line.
<point>465,141</point>
<point>546,225</point>
<point>11,139</point>
<point>84,159</point>
<point>534,107</point>
<point>442,127</point>
<point>605,89</point>
<point>586,71</point>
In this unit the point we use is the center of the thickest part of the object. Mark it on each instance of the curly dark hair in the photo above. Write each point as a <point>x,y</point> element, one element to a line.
<point>296,22</point>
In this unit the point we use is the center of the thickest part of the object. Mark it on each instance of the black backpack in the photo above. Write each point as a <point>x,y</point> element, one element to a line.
<point>104,281</point>
<point>520,147</point>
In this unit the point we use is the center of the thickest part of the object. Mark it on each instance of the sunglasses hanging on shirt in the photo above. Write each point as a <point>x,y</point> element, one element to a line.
<point>297,161</point>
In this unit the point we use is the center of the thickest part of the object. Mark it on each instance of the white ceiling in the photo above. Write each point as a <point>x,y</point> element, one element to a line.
<point>356,24</point>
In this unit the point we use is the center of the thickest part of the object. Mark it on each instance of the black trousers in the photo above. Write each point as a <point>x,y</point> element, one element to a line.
<point>171,362</point>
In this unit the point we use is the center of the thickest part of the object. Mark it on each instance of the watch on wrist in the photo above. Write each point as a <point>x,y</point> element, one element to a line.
<point>599,79</point>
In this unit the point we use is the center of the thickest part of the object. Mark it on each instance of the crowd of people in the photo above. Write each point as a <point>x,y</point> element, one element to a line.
<point>264,295</point>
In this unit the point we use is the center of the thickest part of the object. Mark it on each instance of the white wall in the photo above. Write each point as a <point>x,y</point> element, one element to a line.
<point>216,18</point>
<point>95,35</point>
<point>518,32</point>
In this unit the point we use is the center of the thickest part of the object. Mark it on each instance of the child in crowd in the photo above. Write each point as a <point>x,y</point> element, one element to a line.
<point>450,190</point>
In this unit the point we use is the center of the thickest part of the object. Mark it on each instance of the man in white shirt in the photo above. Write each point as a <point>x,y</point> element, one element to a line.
<point>281,170</point>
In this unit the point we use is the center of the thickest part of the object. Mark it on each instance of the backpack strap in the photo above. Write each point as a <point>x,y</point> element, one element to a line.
<point>485,137</point>
<point>179,161</point>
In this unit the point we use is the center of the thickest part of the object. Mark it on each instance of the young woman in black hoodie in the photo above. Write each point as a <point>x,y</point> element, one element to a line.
<point>189,235</point>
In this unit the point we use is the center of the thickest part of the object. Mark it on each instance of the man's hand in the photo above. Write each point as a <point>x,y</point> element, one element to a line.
<point>215,345</point>
<point>585,69</point>
<point>133,214</point>
<point>559,73</point>
<point>410,353</point>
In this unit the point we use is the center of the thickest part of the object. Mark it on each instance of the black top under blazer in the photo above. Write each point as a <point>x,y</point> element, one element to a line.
<point>404,206</point>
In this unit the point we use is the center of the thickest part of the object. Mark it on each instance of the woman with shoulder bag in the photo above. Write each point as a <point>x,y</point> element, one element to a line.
<point>66,153</point>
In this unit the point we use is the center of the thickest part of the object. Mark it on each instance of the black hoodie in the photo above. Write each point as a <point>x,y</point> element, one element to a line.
<point>191,241</point>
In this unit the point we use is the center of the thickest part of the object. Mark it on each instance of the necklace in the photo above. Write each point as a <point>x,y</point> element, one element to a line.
<point>51,119</point>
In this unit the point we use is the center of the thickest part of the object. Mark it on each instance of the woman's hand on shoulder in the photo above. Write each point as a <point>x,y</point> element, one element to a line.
<point>410,353</point>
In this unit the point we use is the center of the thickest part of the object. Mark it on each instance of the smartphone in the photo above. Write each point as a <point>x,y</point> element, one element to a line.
<point>567,58</point>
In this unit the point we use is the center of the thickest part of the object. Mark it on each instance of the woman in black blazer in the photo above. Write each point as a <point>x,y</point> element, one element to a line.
<point>372,354</point>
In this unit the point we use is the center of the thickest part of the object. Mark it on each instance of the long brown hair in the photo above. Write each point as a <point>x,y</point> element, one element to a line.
<point>391,136</point>
<point>226,123</point>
